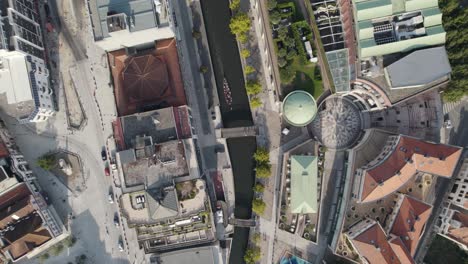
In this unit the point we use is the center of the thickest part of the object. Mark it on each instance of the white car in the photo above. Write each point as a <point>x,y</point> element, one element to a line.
<point>111,198</point>
<point>121,246</point>
<point>449,124</point>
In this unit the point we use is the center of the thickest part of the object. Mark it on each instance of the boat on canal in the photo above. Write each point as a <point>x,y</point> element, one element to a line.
<point>227,93</point>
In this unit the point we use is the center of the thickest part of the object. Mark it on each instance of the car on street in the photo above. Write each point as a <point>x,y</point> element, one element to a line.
<point>116,220</point>
<point>107,171</point>
<point>448,124</point>
<point>104,154</point>
<point>110,198</point>
<point>121,245</point>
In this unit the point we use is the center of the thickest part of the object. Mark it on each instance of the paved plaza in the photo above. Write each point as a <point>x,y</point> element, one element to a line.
<point>338,124</point>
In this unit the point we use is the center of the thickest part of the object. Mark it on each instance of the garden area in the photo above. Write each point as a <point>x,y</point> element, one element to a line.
<point>455,21</point>
<point>443,251</point>
<point>296,61</point>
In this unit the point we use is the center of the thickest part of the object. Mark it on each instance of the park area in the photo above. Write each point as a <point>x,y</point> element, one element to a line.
<point>295,49</point>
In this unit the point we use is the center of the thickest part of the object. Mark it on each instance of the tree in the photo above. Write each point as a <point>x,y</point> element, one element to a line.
<point>253,87</point>
<point>263,170</point>
<point>256,238</point>
<point>258,206</point>
<point>242,38</point>
<point>44,257</point>
<point>275,17</point>
<point>245,53</point>
<point>196,34</point>
<point>57,249</point>
<point>203,69</point>
<point>282,52</point>
<point>46,162</point>
<point>240,23</point>
<point>289,42</point>
<point>291,54</point>
<point>258,187</point>
<point>282,62</point>
<point>283,33</point>
<point>272,4</point>
<point>287,74</point>
<point>249,69</point>
<point>255,102</point>
<point>262,155</point>
<point>234,5</point>
<point>69,241</point>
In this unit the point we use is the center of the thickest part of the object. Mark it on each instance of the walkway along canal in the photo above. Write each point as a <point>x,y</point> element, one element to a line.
<point>227,64</point>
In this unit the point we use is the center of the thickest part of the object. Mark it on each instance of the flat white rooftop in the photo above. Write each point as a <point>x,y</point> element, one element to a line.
<point>14,77</point>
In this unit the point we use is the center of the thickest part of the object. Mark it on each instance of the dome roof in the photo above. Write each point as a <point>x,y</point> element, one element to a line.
<point>299,108</point>
<point>145,77</point>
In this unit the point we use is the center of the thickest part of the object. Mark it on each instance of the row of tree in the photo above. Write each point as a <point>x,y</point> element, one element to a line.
<point>455,21</point>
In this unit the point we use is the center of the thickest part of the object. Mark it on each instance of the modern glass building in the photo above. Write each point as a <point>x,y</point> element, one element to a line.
<point>391,26</point>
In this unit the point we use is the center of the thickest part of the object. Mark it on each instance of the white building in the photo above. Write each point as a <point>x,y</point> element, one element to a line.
<point>453,220</point>
<point>24,91</point>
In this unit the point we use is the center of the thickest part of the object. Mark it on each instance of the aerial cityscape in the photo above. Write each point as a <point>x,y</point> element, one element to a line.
<point>234,131</point>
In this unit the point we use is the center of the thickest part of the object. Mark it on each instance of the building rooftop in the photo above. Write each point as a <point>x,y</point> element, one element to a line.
<point>299,108</point>
<point>162,203</point>
<point>198,255</point>
<point>21,228</point>
<point>371,243</point>
<point>406,157</point>
<point>153,165</point>
<point>392,26</point>
<point>114,18</point>
<point>410,221</point>
<point>419,68</point>
<point>148,79</point>
<point>303,184</point>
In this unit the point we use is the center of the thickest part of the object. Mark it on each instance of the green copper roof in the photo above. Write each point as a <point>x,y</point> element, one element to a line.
<point>303,184</point>
<point>299,108</point>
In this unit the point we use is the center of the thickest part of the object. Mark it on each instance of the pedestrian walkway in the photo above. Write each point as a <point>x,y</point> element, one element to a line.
<point>450,106</point>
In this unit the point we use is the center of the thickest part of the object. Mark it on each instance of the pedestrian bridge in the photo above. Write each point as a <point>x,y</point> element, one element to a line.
<point>234,132</point>
<point>242,222</point>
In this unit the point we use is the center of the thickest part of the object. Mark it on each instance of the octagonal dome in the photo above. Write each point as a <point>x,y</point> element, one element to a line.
<point>145,77</point>
<point>299,108</point>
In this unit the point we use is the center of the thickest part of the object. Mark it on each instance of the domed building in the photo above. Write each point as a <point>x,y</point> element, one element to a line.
<point>299,108</point>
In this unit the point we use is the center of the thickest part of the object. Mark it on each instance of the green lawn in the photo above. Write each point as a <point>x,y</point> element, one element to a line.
<point>305,79</point>
<point>443,251</point>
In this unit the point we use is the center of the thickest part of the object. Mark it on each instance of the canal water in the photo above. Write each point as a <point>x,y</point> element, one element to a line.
<point>226,64</point>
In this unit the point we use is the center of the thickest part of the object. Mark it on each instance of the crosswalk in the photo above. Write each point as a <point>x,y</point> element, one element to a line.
<point>449,106</point>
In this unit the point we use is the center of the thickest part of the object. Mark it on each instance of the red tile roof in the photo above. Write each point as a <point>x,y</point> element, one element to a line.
<point>373,245</point>
<point>408,157</point>
<point>410,222</point>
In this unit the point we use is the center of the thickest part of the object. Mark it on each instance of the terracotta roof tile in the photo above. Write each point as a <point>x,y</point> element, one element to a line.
<point>408,157</point>
<point>410,222</point>
<point>373,245</point>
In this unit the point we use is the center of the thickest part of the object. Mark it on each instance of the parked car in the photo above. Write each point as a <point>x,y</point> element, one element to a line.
<point>110,198</point>
<point>116,220</point>
<point>121,245</point>
<point>107,171</point>
<point>104,154</point>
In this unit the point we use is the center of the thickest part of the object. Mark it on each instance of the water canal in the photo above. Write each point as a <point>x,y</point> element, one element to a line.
<point>226,64</point>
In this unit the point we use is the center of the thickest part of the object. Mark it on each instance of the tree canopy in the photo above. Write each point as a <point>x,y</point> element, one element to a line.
<point>46,162</point>
<point>455,22</point>
<point>253,87</point>
<point>258,206</point>
<point>249,69</point>
<point>245,53</point>
<point>262,155</point>
<point>258,187</point>
<point>234,5</point>
<point>272,4</point>
<point>275,17</point>
<point>240,23</point>
<point>255,102</point>
<point>263,170</point>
